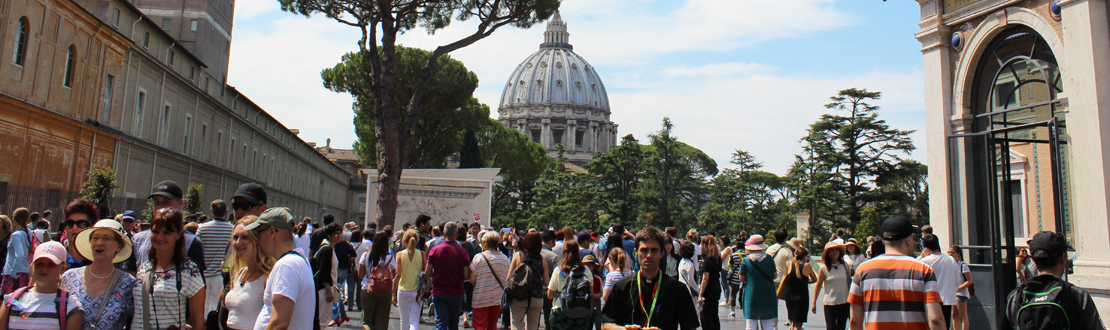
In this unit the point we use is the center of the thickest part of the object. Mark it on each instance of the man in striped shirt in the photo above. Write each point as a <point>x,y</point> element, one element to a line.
<point>893,290</point>
<point>215,237</point>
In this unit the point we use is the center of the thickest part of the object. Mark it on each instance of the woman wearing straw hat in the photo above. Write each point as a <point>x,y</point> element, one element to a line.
<point>757,271</point>
<point>103,290</point>
<point>834,279</point>
<point>249,268</point>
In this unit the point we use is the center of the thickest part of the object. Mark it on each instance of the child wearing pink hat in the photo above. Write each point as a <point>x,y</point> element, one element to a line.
<point>40,305</point>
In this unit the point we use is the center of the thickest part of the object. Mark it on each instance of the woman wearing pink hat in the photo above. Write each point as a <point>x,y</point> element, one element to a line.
<point>103,290</point>
<point>41,305</point>
<point>757,272</point>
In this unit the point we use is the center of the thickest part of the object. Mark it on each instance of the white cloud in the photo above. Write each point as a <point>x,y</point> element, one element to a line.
<point>716,69</point>
<point>761,113</point>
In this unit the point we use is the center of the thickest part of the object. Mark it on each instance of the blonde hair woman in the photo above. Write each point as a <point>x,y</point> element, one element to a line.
<point>410,263</point>
<point>616,272</point>
<point>249,269</point>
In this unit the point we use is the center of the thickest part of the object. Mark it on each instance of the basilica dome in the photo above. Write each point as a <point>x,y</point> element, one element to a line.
<point>555,97</point>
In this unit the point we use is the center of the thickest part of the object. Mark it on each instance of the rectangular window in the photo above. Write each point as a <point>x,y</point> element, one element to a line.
<point>3,192</point>
<point>170,58</point>
<point>164,131</point>
<point>219,144</point>
<point>166,23</point>
<point>115,17</point>
<point>192,73</point>
<point>140,102</point>
<point>106,108</point>
<point>193,25</point>
<point>203,140</point>
<point>146,39</point>
<point>188,129</point>
<point>230,154</point>
<point>1018,208</point>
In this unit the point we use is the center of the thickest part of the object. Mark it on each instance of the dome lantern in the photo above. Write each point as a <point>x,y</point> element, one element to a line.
<point>556,35</point>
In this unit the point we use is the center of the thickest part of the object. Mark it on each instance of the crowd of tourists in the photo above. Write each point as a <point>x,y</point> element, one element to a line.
<point>246,265</point>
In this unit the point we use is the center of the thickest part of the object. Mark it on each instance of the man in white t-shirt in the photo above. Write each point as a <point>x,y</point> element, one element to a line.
<point>947,272</point>
<point>291,277</point>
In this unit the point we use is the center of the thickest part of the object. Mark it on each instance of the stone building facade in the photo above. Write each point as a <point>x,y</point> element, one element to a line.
<point>1017,98</point>
<point>555,97</point>
<point>94,82</point>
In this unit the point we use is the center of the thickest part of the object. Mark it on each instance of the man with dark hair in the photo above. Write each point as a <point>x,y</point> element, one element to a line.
<point>166,194</point>
<point>550,259</point>
<point>1049,251</point>
<point>947,271</point>
<point>215,236</point>
<point>319,235</point>
<point>649,298</point>
<point>894,290</point>
<point>423,225</point>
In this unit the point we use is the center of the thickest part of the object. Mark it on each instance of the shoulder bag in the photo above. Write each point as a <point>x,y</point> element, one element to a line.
<point>104,301</point>
<point>784,288</point>
<point>505,300</point>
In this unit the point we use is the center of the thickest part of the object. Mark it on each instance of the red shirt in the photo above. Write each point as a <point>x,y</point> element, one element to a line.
<point>449,260</point>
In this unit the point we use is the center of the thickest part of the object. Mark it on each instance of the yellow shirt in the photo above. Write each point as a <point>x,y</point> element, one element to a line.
<point>410,270</point>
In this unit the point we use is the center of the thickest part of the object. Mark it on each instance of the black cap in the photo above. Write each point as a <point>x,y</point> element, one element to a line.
<point>253,192</point>
<point>898,227</point>
<point>167,188</point>
<point>1052,243</point>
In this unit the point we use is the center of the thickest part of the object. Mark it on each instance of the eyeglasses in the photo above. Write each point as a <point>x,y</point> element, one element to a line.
<point>78,223</point>
<point>247,206</point>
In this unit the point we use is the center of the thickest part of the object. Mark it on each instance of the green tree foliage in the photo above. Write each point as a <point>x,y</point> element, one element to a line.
<point>744,199</point>
<point>192,200</point>
<point>675,179</point>
<point>904,190</point>
<point>620,170</point>
<point>449,108</point>
<point>521,162</point>
<point>565,197</point>
<point>100,189</point>
<point>380,22</point>
<point>861,146</point>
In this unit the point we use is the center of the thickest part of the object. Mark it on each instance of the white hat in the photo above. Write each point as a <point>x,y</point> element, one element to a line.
<point>84,246</point>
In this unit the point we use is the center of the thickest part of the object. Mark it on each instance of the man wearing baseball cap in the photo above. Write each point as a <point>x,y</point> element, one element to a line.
<point>1036,303</point>
<point>249,199</point>
<point>894,290</point>
<point>291,277</point>
<point>165,194</point>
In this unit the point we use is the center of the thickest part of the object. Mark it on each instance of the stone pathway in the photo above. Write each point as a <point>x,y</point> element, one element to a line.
<point>816,321</point>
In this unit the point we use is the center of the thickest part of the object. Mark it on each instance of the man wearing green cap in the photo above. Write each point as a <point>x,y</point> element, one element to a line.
<point>291,277</point>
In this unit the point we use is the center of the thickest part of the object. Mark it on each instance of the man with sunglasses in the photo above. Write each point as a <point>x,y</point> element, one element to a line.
<point>130,223</point>
<point>250,199</point>
<point>290,279</point>
<point>166,195</point>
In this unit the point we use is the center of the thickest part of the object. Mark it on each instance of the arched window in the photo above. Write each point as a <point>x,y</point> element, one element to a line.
<point>24,30</point>
<point>71,65</point>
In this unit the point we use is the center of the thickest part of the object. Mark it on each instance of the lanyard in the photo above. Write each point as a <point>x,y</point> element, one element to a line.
<point>654,299</point>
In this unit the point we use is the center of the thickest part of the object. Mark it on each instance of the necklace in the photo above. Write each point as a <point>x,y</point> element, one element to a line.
<point>90,272</point>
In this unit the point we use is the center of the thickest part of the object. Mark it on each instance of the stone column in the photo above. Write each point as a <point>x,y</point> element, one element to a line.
<point>935,49</point>
<point>545,135</point>
<point>571,134</point>
<point>522,127</point>
<point>1086,65</point>
<point>590,136</point>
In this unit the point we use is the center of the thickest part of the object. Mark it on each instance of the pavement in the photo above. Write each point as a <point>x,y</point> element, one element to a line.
<point>816,321</point>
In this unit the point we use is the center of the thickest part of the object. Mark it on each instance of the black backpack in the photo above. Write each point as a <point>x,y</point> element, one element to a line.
<point>577,295</point>
<point>527,279</point>
<point>1042,303</point>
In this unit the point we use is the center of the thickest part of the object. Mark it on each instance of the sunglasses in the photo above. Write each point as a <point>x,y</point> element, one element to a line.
<point>247,206</point>
<point>128,220</point>
<point>78,224</point>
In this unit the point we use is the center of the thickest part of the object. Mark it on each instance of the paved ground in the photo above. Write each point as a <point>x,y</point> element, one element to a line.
<point>816,321</point>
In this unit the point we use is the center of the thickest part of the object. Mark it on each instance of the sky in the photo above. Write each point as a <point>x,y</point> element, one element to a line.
<point>730,74</point>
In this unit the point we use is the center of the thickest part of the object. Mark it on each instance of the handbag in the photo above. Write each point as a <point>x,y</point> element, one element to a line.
<point>505,300</point>
<point>104,301</point>
<point>784,288</point>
